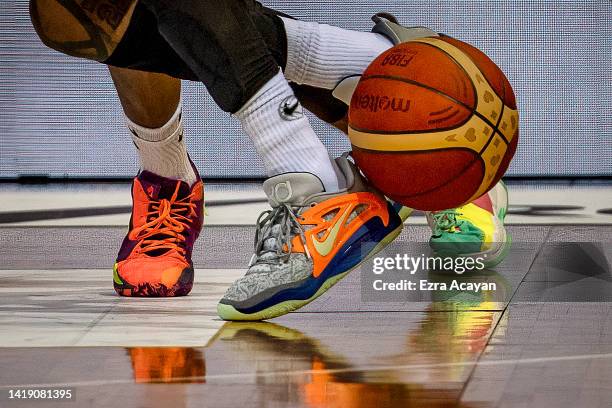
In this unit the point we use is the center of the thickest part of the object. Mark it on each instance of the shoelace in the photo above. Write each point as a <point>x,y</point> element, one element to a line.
<point>166,223</point>
<point>280,224</point>
<point>445,220</point>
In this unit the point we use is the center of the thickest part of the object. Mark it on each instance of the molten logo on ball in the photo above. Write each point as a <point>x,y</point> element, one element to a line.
<point>374,103</point>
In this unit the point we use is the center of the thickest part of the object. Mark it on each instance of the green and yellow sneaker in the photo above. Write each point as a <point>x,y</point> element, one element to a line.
<point>474,230</point>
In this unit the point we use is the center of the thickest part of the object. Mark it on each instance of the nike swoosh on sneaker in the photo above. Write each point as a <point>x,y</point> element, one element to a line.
<point>325,247</point>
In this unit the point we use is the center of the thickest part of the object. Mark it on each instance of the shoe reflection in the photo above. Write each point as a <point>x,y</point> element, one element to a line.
<point>167,365</point>
<point>344,360</point>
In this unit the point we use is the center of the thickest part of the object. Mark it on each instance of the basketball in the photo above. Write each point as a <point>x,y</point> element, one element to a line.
<point>433,123</point>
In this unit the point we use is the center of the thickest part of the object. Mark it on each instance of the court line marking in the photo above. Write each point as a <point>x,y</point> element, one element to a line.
<point>94,383</point>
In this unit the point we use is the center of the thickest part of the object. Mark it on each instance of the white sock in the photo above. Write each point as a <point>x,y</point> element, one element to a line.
<point>284,139</point>
<point>162,151</point>
<point>321,55</point>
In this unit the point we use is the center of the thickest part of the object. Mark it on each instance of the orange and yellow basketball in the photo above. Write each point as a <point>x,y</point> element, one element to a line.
<point>433,123</point>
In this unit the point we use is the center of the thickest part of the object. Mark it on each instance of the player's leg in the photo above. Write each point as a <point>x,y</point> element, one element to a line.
<point>133,41</point>
<point>242,75</point>
<point>154,259</point>
<point>152,106</point>
<point>321,216</point>
<point>148,99</point>
<point>319,101</point>
<point>321,56</point>
<point>356,199</point>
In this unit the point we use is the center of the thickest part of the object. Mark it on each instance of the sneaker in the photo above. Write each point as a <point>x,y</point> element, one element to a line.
<point>155,257</point>
<point>474,230</point>
<point>308,241</point>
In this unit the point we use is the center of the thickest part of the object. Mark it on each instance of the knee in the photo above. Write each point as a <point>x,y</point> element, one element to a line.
<point>73,30</point>
<point>60,30</point>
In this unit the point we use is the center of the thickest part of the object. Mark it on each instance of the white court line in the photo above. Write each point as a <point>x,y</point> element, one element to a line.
<point>95,383</point>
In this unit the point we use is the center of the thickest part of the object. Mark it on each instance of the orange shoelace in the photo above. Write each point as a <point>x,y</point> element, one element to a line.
<point>166,221</point>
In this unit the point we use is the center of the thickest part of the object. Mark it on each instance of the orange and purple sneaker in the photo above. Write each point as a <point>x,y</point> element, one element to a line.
<point>155,257</point>
<point>308,241</point>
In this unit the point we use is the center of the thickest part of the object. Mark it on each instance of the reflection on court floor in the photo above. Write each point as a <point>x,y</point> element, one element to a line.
<point>541,338</point>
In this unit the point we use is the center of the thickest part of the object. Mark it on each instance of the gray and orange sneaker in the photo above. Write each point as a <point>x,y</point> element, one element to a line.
<point>308,241</point>
<point>155,257</point>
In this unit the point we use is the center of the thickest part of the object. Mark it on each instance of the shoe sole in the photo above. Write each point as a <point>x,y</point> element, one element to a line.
<point>501,210</point>
<point>181,288</point>
<point>228,312</point>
